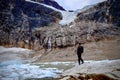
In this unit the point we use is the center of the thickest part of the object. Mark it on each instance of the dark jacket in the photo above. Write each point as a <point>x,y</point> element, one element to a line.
<point>80,50</point>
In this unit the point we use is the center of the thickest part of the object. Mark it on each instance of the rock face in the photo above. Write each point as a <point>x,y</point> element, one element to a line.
<point>20,17</point>
<point>113,11</point>
<point>95,13</point>
<point>79,32</point>
<point>29,24</point>
<point>51,3</point>
<point>22,11</point>
<point>107,11</point>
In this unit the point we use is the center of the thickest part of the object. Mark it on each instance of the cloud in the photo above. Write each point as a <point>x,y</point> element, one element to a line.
<point>76,4</point>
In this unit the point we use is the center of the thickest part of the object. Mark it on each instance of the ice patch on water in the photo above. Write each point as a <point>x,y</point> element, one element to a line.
<point>16,71</point>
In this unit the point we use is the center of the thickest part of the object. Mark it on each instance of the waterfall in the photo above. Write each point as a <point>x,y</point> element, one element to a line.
<point>49,44</point>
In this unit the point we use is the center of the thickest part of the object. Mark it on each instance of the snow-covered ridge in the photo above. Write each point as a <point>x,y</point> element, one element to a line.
<point>68,17</point>
<point>43,5</point>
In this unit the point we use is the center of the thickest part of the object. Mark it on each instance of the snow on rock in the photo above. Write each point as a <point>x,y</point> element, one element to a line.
<point>84,8</point>
<point>43,5</point>
<point>14,49</point>
<point>14,53</point>
<point>68,17</point>
<point>96,67</point>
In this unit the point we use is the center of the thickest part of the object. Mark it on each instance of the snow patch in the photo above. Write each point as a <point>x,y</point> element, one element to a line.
<point>43,5</point>
<point>68,17</point>
<point>14,49</point>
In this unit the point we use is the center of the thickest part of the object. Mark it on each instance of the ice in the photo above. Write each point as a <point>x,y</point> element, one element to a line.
<point>14,55</point>
<point>67,16</point>
<point>18,70</point>
<point>14,49</point>
<point>12,68</point>
<point>12,62</point>
<point>13,75</point>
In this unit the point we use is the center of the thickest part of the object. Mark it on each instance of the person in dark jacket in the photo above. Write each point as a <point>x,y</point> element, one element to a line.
<point>80,50</point>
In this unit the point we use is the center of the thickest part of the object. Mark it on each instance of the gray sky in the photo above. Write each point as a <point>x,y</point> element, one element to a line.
<point>76,4</point>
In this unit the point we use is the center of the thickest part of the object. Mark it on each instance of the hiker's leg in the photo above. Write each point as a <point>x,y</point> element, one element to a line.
<point>82,60</point>
<point>79,60</point>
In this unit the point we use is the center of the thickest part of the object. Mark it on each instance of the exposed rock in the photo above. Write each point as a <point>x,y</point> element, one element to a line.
<point>79,32</point>
<point>88,77</point>
<point>30,25</point>
<point>36,14</point>
<point>19,18</point>
<point>113,11</point>
<point>105,12</point>
<point>94,70</point>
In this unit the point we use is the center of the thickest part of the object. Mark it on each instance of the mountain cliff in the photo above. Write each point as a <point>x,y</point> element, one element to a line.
<point>18,18</point>
<point>104,12</point>
<point>31,24</point>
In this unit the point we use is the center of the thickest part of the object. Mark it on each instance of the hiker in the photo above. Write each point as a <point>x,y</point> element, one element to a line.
<point>80,50</point>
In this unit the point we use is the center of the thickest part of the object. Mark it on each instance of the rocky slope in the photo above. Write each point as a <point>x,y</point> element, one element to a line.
<point>105,12</point>
<point>18,18</point>
<point>20,24</point>
<point>94,70</point>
